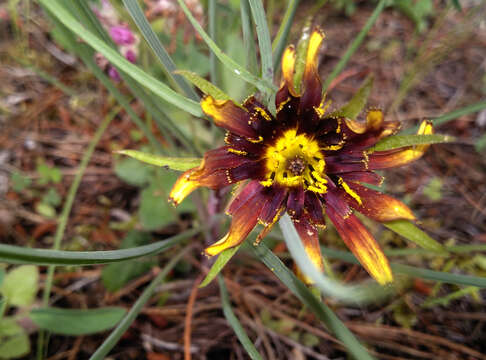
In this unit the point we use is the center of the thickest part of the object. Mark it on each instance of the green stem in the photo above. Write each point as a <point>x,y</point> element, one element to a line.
<point>127,321</point>
<point>66,210</point>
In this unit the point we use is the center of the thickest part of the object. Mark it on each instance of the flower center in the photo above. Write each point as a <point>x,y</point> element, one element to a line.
<point>295,160</point>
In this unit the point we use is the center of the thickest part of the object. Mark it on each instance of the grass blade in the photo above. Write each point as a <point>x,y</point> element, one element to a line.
<point>355,294</point>
<point>219,264</point>
<point>354,45</point>
<point>248,37</point>
<point>469,109</point>
<point>235,323</point>
<point>413,271</point>
<point>280,39</point>
<point>159,50</point>
<point>232,65</point>
<point>321,310</point>
<point>174,163</point>
<point>114,57</point>
<point>411,232</point>
<point>264,41</point>
<point>213,65</point>
<point>20,255</point>
<point>127,321</point>
<point>205,86</point>
<point>398,141</point>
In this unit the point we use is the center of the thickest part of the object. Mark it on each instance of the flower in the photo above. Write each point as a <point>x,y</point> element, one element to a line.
<point>304,161</point>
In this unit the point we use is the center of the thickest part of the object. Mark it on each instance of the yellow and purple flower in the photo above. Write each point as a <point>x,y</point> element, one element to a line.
<point>303,161</point>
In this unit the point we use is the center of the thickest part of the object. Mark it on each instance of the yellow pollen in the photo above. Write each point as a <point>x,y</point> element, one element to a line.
<point>295,160</point>
<point>237,152</point>
<point>263,113</point>
<point>255,141</point>
<point>350,191</point>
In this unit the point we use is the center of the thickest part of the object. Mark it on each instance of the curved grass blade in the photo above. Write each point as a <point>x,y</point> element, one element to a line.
<point>413,271</point>
<point>354,45</point>
<point>219,264</point>
<point>205,86</point>
<point>235,323</point>
<point>263,36</point>
<point>127,321</point>
<point>280,39</point>
<point>159,50</point>
<point>20,255</point>
<point>232,65</point>
<point>411,232</point>
<point>114,57</point>
<point>180,164</point>
<point>76,322</point>
<point>398,141</point>
<point>355,294</point>
<point>321,310</point>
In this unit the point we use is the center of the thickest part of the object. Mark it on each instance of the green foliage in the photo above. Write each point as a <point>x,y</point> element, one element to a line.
<point>76,322</point>
<point>205,86</point>
<point>48,174</point>
<point>19,181</point>
<point>411,232</point>
<point>14,341</point>
<point>115,276</point>
<point>132,172</point>
<point>433,190</point>
<point>180,164</point>
<point>398,141</point>
<point>418,11</point>
<point>219,264</point>
<point>20,285</point>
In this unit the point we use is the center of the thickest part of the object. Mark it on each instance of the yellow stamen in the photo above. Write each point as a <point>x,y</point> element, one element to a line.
<point>296,160</point>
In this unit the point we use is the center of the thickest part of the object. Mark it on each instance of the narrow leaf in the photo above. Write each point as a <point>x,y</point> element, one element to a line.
<point>354,107</point>
<point>413,271</point>
<point>114,57</point>
<point>76,322</point>
<point>356,294</point>
<point>300,56</point>
<point>219,264</point>
<point>235,323</point>
<point>21,255</point>
<point>180,164</point>
<point>205,86</point>
<point>320,309</point>
<point>232,65</point>
<point>159,50</point>
<point>263,35</point>
<point>398,141</point>
<point>411,232</point>
<point>248,37</point>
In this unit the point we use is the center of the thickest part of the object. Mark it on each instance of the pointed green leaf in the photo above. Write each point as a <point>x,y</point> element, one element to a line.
<point>280,39</point>
<point>411,232</point>
<point>205,86</point>
<point>352,109</point>
<point>300,56</point>
<point>75,321</point>
<point>232,65</point>
<point>398,141</point>
<point>174,163</point>
<point>263,36</point>
<point>219,264</point>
